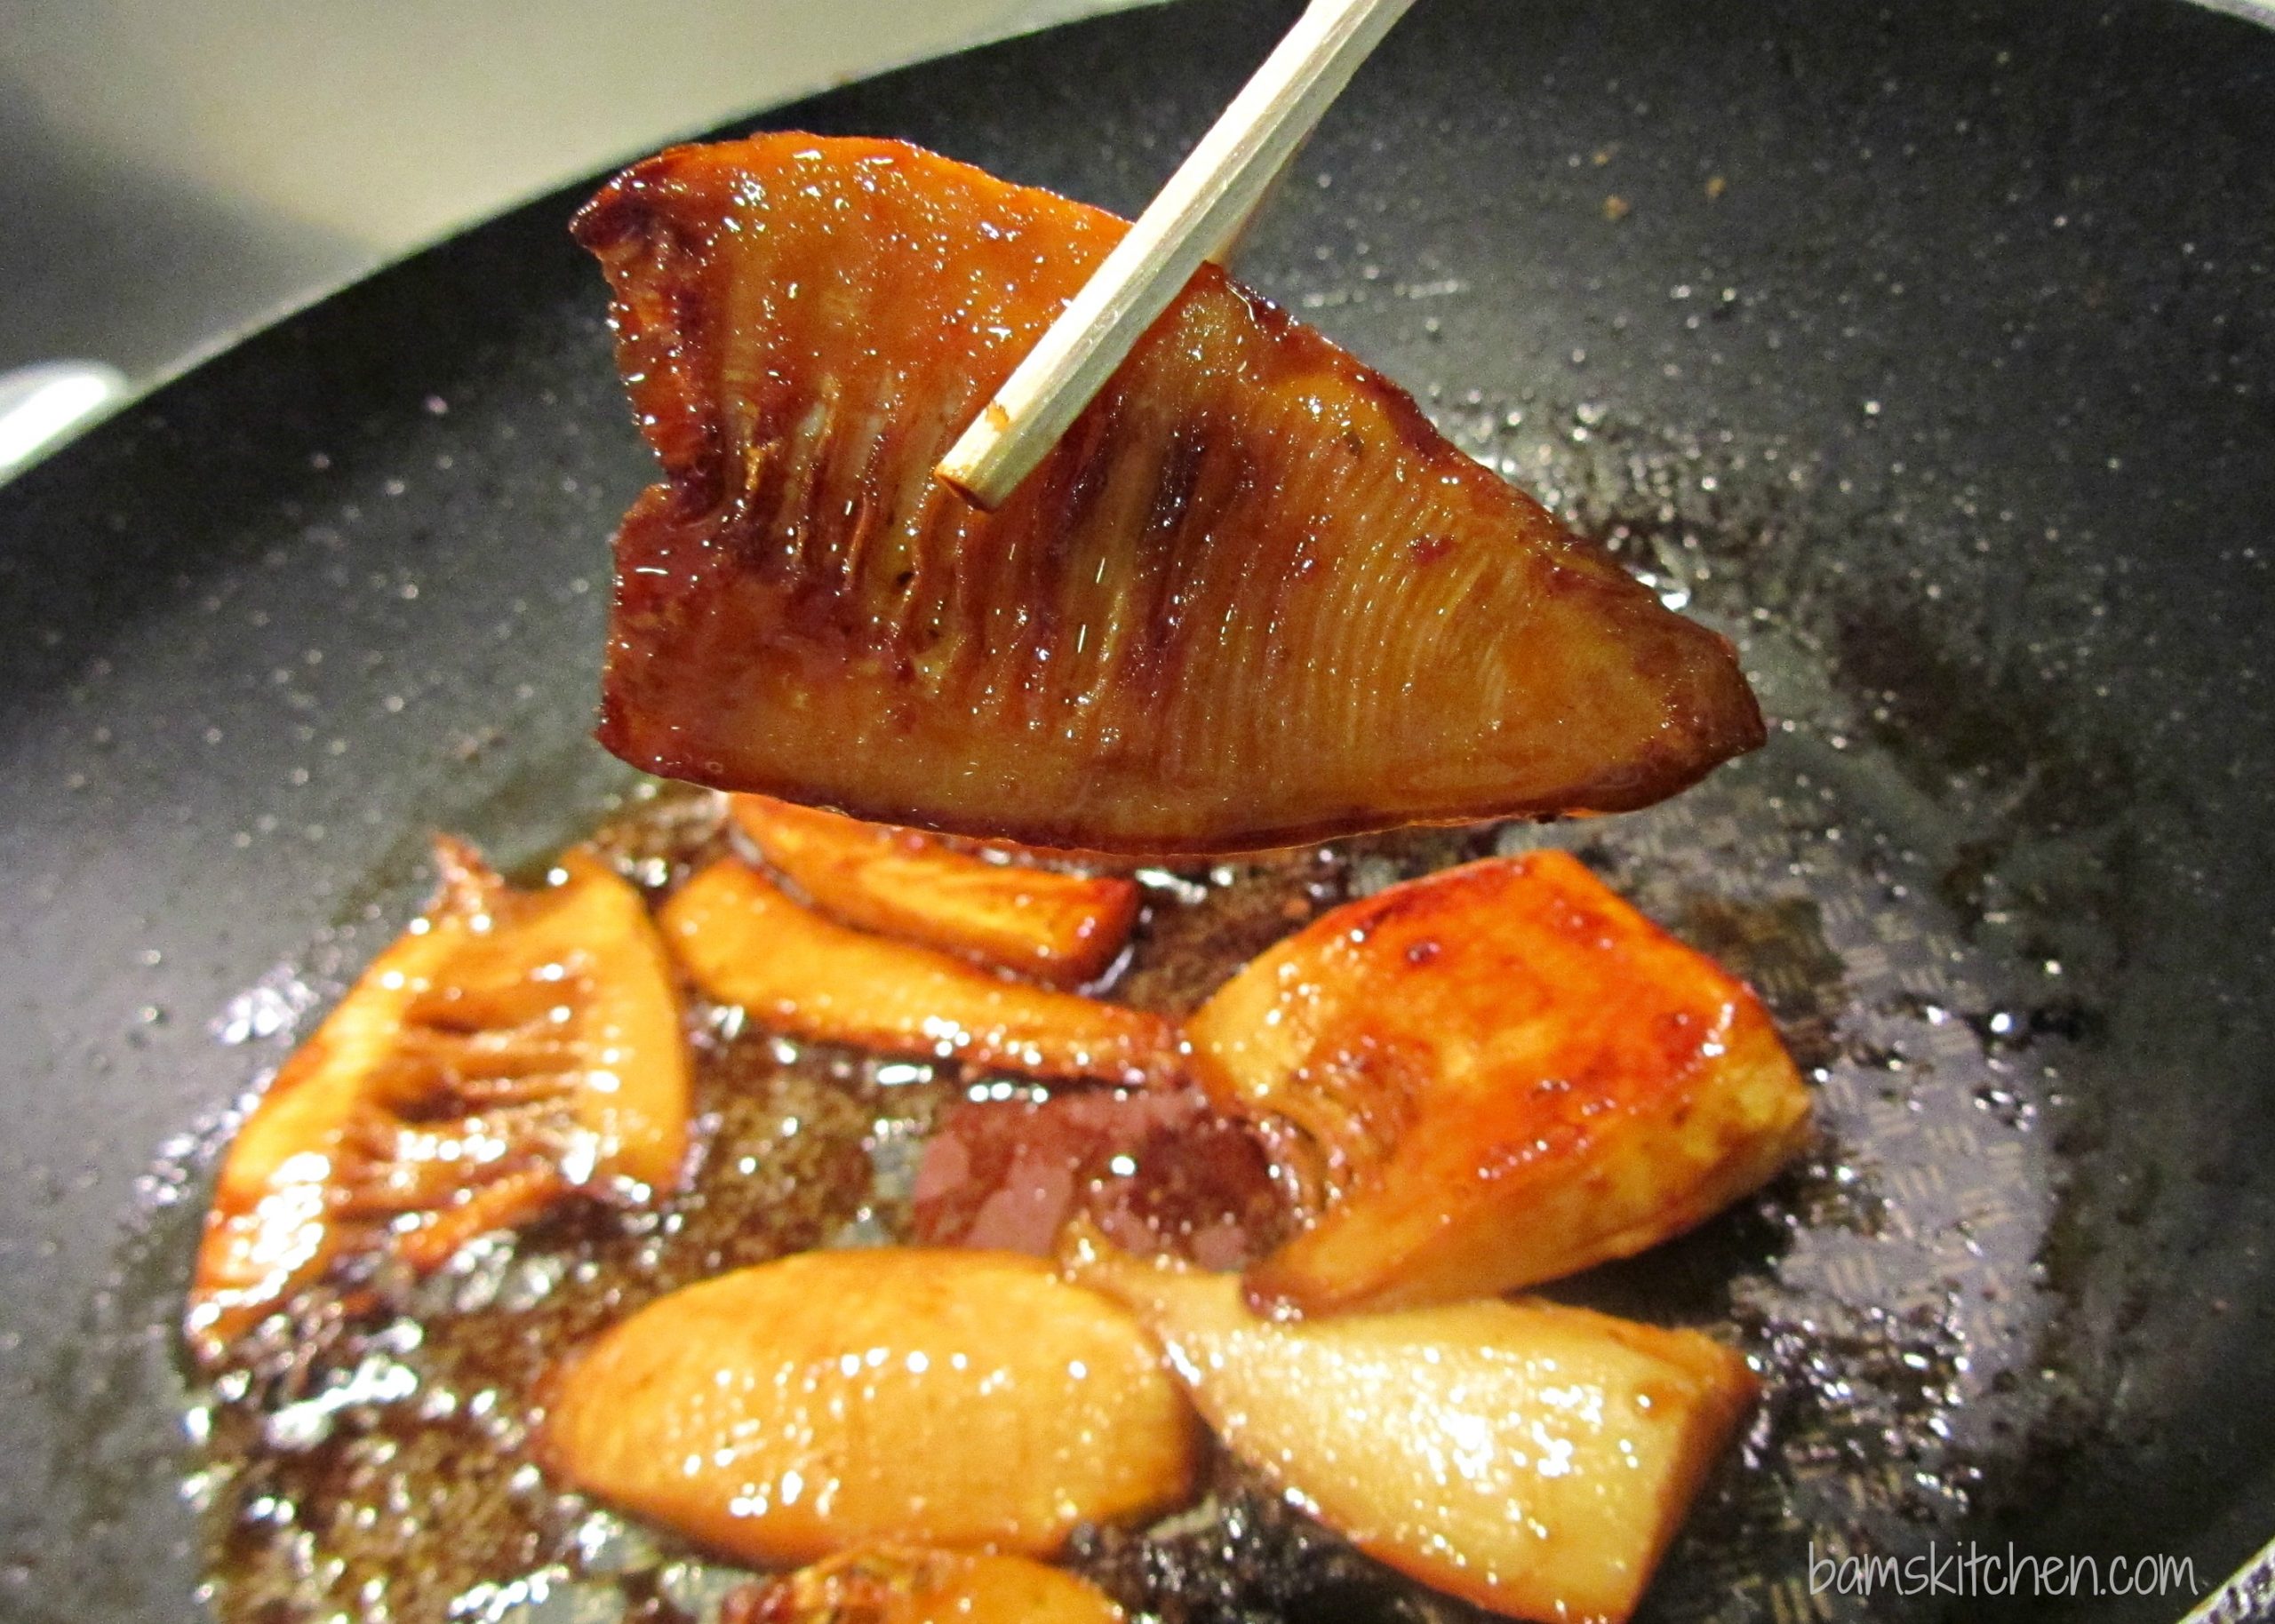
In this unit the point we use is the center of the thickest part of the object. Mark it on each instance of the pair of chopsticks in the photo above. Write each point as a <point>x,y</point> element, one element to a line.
<point>1199,212</point>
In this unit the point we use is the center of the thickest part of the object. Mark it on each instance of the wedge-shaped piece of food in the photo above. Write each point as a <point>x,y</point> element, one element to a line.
<point>1493,1076</point>
<point>1251,598</point>
<point>1530,1458</point>
<point>510,1047</point>
<point>745,942</point>
<point>897,1585</point>
<point>832,1399</point>
<point>1055,926</point>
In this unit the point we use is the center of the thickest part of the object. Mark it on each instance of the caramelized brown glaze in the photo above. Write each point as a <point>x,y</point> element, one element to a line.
<point>998,907</point>
<point>1530,1458</point>
<point>830,1400</point>
<point>1251,598</point>
<point>1499,1074</point>
<point>510,1047</point>
<point>745,942</point>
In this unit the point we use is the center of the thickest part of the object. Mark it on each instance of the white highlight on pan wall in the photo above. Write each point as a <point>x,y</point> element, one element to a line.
<point>43,406</point>
<point>330,137</point>
<point>388,125</point>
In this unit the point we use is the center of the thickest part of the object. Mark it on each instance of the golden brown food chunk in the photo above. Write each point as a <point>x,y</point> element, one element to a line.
<point>1251,598</point>
<point>510,1047</point>
<point>746,942</point>
<point>892,1585</point>
<point>1533,1458</point>
<point>1041,922</point>
<point>1494,1075</point>
<point>832,1399</point>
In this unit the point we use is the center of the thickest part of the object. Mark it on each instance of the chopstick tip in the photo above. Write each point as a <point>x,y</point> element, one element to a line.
<point>972,467</point>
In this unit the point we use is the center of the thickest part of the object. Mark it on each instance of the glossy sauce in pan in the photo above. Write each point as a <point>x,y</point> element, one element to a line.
<point>372,1463</point>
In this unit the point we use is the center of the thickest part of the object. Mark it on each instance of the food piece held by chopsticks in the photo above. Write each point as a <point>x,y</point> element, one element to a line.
<point>1251,598</point>
<point>1495,1075</point>
<point>899,1585</point>
<point>832,1399</point>
<point>509,1047</point>
<point>1013,914</point>
<point>746,942</point>
<point>1533,1458</point>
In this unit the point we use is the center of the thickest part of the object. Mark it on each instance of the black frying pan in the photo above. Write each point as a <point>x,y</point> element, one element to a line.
<point>1928,347</point>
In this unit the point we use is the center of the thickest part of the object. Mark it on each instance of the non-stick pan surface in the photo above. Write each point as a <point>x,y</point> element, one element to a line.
<point>1927,348</point>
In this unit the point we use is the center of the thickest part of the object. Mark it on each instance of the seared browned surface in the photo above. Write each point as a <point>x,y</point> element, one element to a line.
<point>507,1038</point>
<point>998,907</point>
<point>1496,1074</point>
<point>1252,597</point>
<point>745,942</point>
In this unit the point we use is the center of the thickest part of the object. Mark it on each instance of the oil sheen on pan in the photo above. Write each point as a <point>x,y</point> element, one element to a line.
<point>1252,598</point>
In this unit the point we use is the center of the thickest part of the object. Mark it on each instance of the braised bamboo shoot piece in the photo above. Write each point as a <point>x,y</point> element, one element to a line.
<point>745,942</point>
<point>1492,1075</point>
<point>1530,1458</point>
<point>512,1046</point>
<point>1251,598</point>
<point>1002,908</point>
<point>832,1399</point>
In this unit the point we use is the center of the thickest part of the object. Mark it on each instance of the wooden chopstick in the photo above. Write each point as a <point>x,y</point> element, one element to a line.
<point>1201,209</point>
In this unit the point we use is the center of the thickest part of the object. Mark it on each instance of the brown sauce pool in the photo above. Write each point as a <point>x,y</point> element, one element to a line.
<point>369,1459</point>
